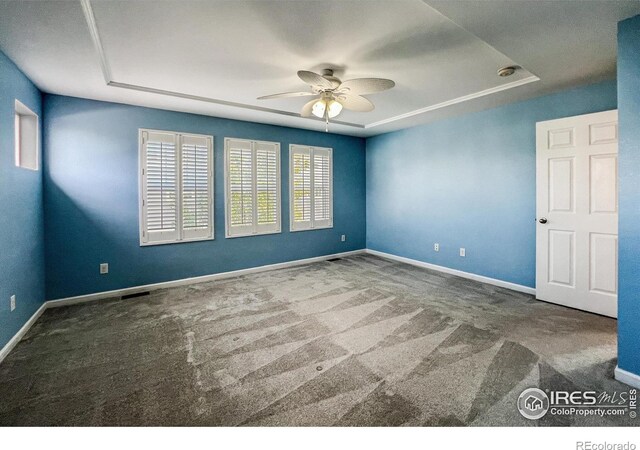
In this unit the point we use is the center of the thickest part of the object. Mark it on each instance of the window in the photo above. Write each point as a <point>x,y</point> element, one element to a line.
<point>176,187</point>
<point>26,137</point>
<point>252,187</point>
<point>310,187</point>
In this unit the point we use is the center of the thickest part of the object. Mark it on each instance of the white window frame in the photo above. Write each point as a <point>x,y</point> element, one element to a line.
<point>311,225</point>
<point>255,229</point>
<point>27,137</point>
<point>180,235</point>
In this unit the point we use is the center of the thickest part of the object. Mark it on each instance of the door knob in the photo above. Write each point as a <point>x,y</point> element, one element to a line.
<point>543,220</point>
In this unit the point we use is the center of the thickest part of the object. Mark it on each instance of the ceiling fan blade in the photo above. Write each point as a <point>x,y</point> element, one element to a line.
<point>314,80</point>
<point>361,86</point>
<point>355,103</point>
<point>306,109</point>
<point>286,95</point>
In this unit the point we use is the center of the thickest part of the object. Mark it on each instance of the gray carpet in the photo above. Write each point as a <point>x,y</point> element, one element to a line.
<point>359,341</point>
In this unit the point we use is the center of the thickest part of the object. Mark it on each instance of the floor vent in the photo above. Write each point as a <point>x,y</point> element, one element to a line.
<point>137,294</point>
<point>334,259</point>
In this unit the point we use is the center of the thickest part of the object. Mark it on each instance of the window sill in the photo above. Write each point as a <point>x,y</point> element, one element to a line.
<point>233,236</point>
<point>182,241</point>
<point>310,229</point>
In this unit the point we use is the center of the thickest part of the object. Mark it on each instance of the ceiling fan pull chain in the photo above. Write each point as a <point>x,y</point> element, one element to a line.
<point>326,118</point>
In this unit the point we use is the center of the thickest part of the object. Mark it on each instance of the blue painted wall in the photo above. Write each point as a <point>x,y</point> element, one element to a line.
<point>21,221</point>
<point>91,199</point>
<point>629,173</point>
<point>467,182</point>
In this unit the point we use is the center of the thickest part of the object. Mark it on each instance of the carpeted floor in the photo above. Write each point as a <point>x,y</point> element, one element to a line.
<point>355,341</point>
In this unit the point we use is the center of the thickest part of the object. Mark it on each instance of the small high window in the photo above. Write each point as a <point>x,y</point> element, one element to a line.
<point>26,137</point>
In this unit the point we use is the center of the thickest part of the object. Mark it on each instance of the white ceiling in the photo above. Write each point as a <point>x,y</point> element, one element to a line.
<point>216,57</point>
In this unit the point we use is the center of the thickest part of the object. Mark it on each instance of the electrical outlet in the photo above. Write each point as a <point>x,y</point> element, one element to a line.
<point>104,268</point>
<point>13,302</point>
<point>463,252</point>
<point>436,247</point>
<point>343,237</point>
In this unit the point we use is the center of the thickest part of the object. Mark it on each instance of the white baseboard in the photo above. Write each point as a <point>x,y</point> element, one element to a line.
<point>164,285</point>
<point>459,273</point>
<point>21,332</point>
<point>236,273</point>
<point>625,377</point>
<point>194,280</point>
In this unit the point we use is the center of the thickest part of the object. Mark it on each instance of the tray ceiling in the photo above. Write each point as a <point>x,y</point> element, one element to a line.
<point>216,58</point>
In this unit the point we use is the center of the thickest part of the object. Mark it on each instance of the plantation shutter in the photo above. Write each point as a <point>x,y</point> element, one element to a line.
<point>160,187</point>
<point>267,187</point>
<point>176,187</point>
<point>300,180</point>
<point>252,171</point>
<point>311,187</point>
<point>322,186</point>
<point>197,189</point>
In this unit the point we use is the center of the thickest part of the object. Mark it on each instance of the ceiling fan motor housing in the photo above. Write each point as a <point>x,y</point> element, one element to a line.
<point>327,74</point>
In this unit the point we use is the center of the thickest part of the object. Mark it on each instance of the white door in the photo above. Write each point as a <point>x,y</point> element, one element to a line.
<point>577,212</point>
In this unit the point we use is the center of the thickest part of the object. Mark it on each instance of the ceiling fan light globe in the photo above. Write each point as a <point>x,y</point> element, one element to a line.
<point>335,108</point>
<point>319,108</point>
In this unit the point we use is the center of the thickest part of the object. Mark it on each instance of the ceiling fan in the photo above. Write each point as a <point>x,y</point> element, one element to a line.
<point>333,94</point>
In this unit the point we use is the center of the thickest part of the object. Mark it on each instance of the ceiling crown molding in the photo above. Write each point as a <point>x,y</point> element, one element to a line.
<point>455,101</point>
<point>95,37</point>
<point>107,74</point>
